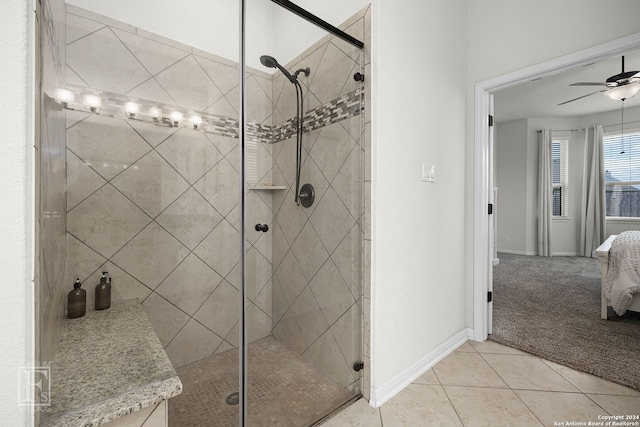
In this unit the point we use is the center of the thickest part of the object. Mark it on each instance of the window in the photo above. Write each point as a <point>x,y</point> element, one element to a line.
<point>559,178</point>
<point>622,174</point>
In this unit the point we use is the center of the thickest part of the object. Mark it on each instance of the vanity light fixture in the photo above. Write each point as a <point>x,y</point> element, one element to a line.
<point>175,117</point>
<point>117,106</point>
<point>131,108</point>
<point>64,97</point>
<point>93,102</point>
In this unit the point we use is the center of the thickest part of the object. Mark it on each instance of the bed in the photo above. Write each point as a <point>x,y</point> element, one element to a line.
<point>619,256</point>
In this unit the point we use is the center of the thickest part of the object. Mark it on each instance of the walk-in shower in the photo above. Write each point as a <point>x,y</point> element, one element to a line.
<point>223,266</point>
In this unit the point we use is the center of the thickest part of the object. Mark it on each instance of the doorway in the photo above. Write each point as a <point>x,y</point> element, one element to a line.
<point>483,259</point>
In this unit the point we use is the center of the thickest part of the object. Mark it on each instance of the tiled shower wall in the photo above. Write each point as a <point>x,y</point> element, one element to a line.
<point>156,206</point>
<point>51,179</point>
<point>317,291</point>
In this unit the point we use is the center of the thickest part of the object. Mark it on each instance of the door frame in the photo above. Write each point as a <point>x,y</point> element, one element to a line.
<point>483,259</point>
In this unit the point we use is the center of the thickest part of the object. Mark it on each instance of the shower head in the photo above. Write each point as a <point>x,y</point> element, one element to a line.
<point>270,61</point>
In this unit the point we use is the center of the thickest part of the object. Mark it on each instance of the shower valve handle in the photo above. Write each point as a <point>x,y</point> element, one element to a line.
<point>262,227</point>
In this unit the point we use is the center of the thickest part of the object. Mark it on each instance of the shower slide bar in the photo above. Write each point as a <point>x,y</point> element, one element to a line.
<point>319,22</point>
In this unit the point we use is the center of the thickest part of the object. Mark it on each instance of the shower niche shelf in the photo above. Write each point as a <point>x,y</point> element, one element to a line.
<point>267,187</point>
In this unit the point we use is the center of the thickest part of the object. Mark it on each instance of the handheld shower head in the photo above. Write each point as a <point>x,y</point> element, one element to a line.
<point>270,62</point>
<point>304,196</point>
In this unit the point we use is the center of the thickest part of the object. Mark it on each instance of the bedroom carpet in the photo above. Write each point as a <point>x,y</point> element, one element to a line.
<point>550,307</point>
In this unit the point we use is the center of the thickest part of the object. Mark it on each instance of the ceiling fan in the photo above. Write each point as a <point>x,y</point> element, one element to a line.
<point>619,87</point>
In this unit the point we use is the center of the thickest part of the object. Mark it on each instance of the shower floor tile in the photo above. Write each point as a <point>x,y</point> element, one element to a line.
<point>283,390</point>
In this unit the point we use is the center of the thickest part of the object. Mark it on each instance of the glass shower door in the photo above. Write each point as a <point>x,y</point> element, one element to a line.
<point>151,99</point>
<point>303,219</point>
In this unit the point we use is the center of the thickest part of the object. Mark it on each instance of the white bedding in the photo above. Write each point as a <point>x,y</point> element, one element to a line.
<point>623,272</point>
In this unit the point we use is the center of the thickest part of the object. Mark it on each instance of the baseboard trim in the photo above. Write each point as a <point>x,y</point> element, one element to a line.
<point>381,394</point>
<point>508,251</point>
<point>514,252</point>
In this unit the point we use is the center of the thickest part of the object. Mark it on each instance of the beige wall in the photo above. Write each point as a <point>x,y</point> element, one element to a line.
<point>418,292</point>
<point>511,163</point>
<point>517,171</point>
<point>422,271</point>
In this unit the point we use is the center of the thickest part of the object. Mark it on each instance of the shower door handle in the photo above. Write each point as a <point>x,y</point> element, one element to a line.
<point>262,227</point>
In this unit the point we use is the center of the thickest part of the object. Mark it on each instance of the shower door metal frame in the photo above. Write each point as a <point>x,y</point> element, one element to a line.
<point>305,14</point>
<point>242,324</point>
<point>242,132</point>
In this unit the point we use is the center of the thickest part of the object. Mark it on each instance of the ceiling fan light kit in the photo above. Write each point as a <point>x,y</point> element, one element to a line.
<point>621,93</point>
<point>618,87</point>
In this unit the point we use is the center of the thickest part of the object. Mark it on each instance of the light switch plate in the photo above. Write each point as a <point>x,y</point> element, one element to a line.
<point>428,172</point>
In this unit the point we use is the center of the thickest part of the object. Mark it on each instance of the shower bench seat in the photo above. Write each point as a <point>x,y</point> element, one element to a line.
<point>110,366</point>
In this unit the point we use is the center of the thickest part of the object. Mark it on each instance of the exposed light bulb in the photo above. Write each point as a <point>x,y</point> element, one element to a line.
<point>64,96</point>
<point>93,102</point>
<point>176,117</point>
<point>623,92</point>
<point>155,113</point>
<point>196,121</point>
<point>131,108</point>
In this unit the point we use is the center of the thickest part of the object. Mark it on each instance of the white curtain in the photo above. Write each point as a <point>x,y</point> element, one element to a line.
<point>544,192</point>
<point>593,211</point>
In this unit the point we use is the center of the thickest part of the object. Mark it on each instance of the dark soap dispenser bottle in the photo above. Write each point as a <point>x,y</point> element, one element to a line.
<point>77,301</point>
<point>103,293</point>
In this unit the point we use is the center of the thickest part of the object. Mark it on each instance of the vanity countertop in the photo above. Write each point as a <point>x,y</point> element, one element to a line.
<point>109,364</point>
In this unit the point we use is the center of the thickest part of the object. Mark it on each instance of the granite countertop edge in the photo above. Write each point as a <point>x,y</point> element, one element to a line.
<point>109,363</point>
<point>117,407</point>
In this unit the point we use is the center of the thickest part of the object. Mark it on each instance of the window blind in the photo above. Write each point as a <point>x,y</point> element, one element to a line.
<point>559,176</point>
<point>622,174</point>
<point>622,157</point>
<point>559,162</point>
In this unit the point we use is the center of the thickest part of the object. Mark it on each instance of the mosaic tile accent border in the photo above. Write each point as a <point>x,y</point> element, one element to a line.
<point>347,106</point>
<point>257,132</point>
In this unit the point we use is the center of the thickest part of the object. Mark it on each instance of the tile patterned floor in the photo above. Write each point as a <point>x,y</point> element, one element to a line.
<point>487,384</point>
<point>284,390</point>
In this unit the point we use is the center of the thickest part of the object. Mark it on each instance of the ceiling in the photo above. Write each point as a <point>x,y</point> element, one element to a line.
<point>540,98</point>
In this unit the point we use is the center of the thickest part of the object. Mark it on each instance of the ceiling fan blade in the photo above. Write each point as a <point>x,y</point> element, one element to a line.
<point>588,84</point>
<point>583,96</point>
